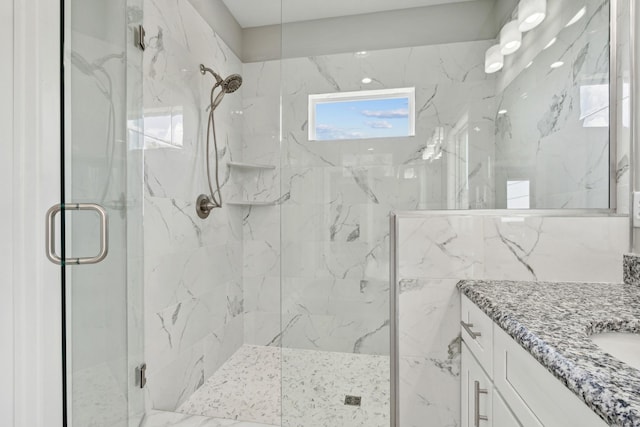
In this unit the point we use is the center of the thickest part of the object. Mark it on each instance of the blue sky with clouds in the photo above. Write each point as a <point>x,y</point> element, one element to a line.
<point>378,118</point>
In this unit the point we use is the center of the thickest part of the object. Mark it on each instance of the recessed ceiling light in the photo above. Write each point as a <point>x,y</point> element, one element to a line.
<point>502,112</point>
<point>578,16</point>
<point>551,43</point>
<point>366,80</point>
<point>362,53</point>
<point>529,64</point>
<point>557,64</point>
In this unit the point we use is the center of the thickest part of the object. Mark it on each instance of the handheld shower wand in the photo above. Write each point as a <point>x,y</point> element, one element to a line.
<point>206,203</point>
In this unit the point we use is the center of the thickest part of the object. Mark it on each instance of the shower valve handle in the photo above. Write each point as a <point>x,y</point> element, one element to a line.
<point>204,206</point>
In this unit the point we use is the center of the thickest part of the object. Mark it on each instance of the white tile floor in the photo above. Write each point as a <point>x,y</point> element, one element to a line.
<point>313,383</point>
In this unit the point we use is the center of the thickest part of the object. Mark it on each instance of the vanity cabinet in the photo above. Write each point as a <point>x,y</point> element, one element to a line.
<point>482,405</point>
<point>503,385</point>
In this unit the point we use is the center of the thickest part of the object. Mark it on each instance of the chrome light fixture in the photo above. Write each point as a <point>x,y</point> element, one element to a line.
<point>531,13</point>
<point>493,59</point>
<point>510,38</point>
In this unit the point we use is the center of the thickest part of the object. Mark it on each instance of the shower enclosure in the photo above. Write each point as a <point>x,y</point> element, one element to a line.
<point>275,308</point>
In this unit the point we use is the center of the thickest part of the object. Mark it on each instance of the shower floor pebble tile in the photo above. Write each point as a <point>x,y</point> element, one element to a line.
<point>314,385</point>
<point>246,387</point>
<point>173,419</point>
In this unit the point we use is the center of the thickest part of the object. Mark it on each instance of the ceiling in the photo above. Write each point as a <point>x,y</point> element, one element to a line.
<point>257,13</point>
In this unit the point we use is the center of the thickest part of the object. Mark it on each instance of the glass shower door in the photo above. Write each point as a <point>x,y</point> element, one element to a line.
<point>99,213</point>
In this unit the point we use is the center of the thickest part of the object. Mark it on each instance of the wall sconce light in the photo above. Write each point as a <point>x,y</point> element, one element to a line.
<point>493,59</point>
<point>510,38</point>
<point>531,13</point>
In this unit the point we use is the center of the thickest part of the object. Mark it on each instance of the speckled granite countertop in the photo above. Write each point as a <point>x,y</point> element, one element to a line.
<point>553,321</point>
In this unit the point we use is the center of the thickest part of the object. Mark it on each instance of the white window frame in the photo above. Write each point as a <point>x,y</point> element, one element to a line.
<point>363,95</point>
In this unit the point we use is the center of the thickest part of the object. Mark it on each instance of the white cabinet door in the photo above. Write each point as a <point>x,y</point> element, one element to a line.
<point>476,393</point>
<point>502,415</point>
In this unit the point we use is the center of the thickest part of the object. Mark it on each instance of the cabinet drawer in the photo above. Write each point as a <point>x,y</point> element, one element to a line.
<point>477,332</point>
<point>535,396</point>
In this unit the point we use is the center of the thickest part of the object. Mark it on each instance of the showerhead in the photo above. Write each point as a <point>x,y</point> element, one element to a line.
<point>228,85</point>
<point>232,83</point>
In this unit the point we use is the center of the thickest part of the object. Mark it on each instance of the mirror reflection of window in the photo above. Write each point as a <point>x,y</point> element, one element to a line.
<point>594,105</point>
<point>518,195</point>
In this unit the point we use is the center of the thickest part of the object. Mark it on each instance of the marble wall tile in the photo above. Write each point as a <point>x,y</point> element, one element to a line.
<point>585,249</point>
<point>427,310</point>
<point>423,383</point>
<point>194,302</point>
<point>168,388</point>
<point>348,332</point>
<point>441,247</point>
<point>261,225</point>
<point>336,196</point>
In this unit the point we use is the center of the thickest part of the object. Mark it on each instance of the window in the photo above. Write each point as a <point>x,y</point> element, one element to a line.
<point>518,196</point>
<point>360,115</point>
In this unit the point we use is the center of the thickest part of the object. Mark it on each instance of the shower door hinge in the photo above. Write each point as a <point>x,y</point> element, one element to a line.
<point>141,375</point>
<point>138,37</point>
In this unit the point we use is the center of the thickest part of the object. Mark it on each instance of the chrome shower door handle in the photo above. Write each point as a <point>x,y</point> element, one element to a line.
<point>51,239</point>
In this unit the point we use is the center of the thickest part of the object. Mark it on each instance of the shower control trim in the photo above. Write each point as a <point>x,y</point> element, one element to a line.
<point>204,206</point>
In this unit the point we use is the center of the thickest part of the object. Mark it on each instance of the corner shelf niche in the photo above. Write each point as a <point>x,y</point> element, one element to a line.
<point>254,166</point>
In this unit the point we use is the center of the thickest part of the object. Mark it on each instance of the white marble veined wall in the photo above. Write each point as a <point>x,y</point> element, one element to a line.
<point>261,224</point>
<point>334,197</point>
<point>436,250</point>
<point>555,130</point>
<point>193,268</point>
